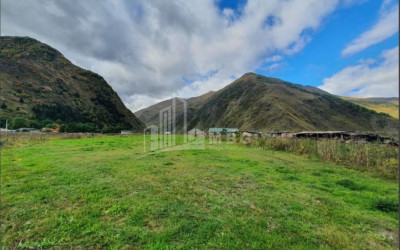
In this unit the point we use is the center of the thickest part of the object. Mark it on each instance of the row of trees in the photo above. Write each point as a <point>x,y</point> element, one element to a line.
<point>21,122</point>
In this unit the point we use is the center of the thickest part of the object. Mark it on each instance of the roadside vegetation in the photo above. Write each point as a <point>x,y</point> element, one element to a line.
<point>104,192</point>
<point>380,159</point>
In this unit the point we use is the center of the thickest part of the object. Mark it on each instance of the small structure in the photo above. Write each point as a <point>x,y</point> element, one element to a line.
<point>6,130</point>
<point>126,132</point>
<point>333,135</point>
<point>284,134</point>
<point>196,132</point>
<point>251,133</point>
<point>27,130</point>
<point>344,136</point>
<point>222,131</point>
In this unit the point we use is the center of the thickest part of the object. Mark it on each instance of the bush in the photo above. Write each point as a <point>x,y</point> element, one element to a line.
<point>386,205</point>
<point>57,111</point>
<point>51,125</point>
<point>19,122</point>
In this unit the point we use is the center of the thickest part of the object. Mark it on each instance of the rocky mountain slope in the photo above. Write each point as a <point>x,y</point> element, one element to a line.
<point>256,102</point>
<point>39,85</point>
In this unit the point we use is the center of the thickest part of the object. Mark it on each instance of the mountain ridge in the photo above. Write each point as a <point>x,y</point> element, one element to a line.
<point>39,85</point>
<point>255,102</point>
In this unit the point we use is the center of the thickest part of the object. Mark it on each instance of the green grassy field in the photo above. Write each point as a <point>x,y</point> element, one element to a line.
<point>95,192</point>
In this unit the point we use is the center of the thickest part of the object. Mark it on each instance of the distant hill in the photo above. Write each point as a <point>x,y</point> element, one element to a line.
<point>39,85</point>
<point>379,104</point>
<point>257,102</point>
<point>150,115</point>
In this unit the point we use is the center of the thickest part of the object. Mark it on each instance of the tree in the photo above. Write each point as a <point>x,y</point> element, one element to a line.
<point>224,132</point>
<point>20,122</point>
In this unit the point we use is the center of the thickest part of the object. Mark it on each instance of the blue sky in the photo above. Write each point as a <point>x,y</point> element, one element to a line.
<point>150,51</point>
<point>321,57</point>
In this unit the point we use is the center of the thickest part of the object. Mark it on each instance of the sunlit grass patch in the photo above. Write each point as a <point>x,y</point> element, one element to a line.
<point>62,195</point>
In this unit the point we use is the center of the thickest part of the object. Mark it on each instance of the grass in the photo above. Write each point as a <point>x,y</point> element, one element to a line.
<point>380,105</point>
<point>379,159</point>
<point>97,193</point>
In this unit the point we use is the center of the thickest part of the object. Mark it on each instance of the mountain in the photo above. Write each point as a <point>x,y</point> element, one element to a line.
<point>39,85</point>
<point>379,104</point>
<point>255,102</point>
<point>151,114</point>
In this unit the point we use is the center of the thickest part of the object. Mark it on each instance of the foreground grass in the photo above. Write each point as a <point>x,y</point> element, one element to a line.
<point>93,192</point>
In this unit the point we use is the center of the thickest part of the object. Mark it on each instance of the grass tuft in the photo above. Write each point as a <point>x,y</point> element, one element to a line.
<point>386,205</point>
<point>350,184</point>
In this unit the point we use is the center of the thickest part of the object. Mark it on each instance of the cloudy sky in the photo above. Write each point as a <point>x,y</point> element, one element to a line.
<point>153,50</point>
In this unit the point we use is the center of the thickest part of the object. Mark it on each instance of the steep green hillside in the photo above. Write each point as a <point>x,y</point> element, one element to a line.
<point>269,104</point>
<point>39,85</point>
<point>381,105</point>
<point>258,102</point>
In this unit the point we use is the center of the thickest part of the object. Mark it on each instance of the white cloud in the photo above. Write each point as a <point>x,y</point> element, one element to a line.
<point>274,58</point>
<point>145,49</point>
<point>370,78</point>
<point>386,26</point>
